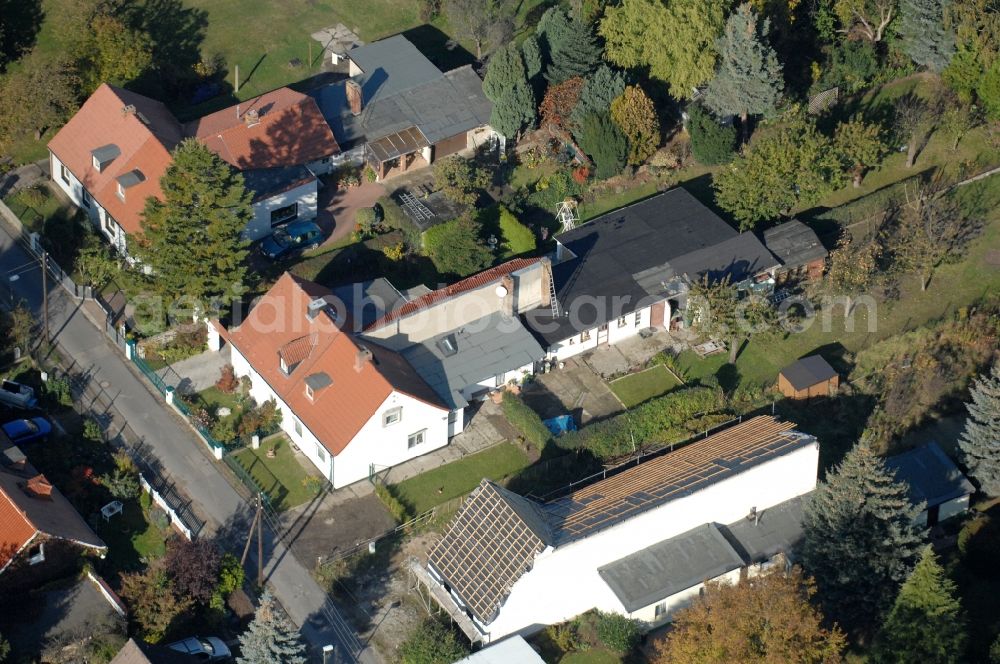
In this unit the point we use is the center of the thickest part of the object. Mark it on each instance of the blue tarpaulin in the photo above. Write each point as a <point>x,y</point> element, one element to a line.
<point>560,425</point>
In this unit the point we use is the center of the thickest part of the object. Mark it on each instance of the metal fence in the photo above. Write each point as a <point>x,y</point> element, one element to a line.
<point>150,373</point>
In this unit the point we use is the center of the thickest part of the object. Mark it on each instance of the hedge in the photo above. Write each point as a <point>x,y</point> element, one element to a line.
<point>396,508</point>
<point>658,420</point>
<point>525,420</point>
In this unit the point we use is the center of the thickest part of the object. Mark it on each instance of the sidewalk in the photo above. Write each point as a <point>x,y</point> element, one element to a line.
<point>180,453</point>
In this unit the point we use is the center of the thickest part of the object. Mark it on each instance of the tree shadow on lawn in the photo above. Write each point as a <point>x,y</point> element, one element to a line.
<point>837,422</point>
<point>444,52</point>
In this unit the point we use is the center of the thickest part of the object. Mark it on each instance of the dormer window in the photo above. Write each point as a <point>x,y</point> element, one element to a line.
<point>285,369</point>
<point>128,180</point>
<point>315,383</point>
<point>104,155</point>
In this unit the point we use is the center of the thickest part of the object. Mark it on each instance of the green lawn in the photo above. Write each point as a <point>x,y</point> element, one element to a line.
<point>213,398</point>
<point>132,537</point>
<point>644,385</point>
<point>952,286</point>
<point>592,656</point>
<point>283,478</point>
<point>458,478</point>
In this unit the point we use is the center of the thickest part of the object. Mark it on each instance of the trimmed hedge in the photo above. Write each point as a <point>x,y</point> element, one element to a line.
<point>525,420</point>
<point>659,420</point>
<point>396,508</point>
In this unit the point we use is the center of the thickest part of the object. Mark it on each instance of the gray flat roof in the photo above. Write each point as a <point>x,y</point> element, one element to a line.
<point>794,243</point>
<point>367,301</point>
<point>808,371</point>
<point>932,476</point>
<point>778,529</point>
<point>264,182</point>
<point>668,567</point>
<point>478,351</point>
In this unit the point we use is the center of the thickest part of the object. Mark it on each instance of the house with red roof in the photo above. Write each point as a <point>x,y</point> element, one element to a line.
<point>351,406</point>
<point>109,157</point>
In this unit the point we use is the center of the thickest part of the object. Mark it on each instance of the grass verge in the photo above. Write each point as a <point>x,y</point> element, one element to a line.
<point>644,385</point>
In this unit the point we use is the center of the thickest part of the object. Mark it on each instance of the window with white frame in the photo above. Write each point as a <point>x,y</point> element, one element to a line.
<point>283,214</point>
<point>109,225</point>
<point>85,198</point>
<point>415,439</point>
<point>392,416</point>
<point>121,191</point>
<point>621,321</point>
<point>585,336</point>
<point>320,452</point>
<point>660,610</point>
<point>64,173</point>
<point>498,380</point>
<point>638,318</point>
<point>298,427</point>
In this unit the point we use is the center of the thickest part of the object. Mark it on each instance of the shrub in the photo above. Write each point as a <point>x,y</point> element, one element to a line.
<point>432,643</point>
<point>617,632</point>
<point>394,252</point>
<point>224,430</point>
<point>456,248</point>
<point>227,382</point>
<point>658,420</point>
<point>518,237</point>
<point>525,420</point>
<point>58,391</point>
<point>364,222</point>
<point>711,142</point>
<point>460,180</point>
<point>396,508</point>
<point>370,174</point>
<point>603,142</point>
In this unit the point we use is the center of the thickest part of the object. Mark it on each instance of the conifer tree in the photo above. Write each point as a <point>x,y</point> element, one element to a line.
<point>571,46</point>
<point>193,237</point>
<point>506,85</point>
<point>748,79</point>
<point>270,637</point>
<point>532,54</point>
<point>925,624</point>
<point>860,538</point>
<point>980,442</point>
<point>599,90</point>
<point>926,39</point>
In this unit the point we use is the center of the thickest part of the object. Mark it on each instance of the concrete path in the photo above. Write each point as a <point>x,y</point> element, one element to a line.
<point>338,207</point>
<point>182,455</point>
<point>23,176</point>
<point>198,372</point>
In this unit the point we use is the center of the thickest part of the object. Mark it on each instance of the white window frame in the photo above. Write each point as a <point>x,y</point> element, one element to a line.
<point>293,207</point>
<point>320,452</point>
<point>416,439</point>
<point>659,610</point>
<point>121,191</point>
<point>622,322</point>
<point>638,318</point>
<point>392,416</point>
<point>309,393</point>
<point>585,336</point>
<point>64,172</point>
<point>109,225</point>
<point>297,425</point>
<point>38,557</point>
<point>85,197</point>
<point>498,380</point>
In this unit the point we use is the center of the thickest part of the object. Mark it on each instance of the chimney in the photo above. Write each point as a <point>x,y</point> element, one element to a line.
<point>315,307</point>
<point>39,487</point>
<point>252,117</point>
<point>363,357</point>
<point>355,97</point>
<point>506,293</point>
<point>128,110</point>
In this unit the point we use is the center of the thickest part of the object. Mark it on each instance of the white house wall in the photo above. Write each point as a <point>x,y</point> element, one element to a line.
<point>564,582</point>
<point>306,196</point>
<point>678,601</point>
<point>516,375</point>
<point>373,444</point>
<point>74,189</point>
<point>574,345</point>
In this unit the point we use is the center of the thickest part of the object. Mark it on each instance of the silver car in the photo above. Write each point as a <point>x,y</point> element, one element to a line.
<point>205,648</point>
<point>17,395</point>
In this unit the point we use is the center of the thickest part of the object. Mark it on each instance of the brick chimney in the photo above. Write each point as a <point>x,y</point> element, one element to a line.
<point>363,357</point>
<point>507,288</point>
<point>355,97</point>
<point>251,117</point>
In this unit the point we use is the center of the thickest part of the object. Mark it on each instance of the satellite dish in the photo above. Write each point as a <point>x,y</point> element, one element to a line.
<point>501,291</point>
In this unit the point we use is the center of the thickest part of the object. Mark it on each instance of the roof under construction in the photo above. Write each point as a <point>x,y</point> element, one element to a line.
<point>494,538</point>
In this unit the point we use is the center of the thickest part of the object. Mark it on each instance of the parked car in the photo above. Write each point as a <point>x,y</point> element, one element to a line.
<point>205,648</point>
<point>25,431</point>
<point>17,395</point>
<point>293,239</point>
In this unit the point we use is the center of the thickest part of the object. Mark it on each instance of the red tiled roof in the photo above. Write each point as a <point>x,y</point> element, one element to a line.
<point>144,137</point>
<point>279,323</point>
<point>470,283</point>
<point>15,529</point>
<point>290,130</point>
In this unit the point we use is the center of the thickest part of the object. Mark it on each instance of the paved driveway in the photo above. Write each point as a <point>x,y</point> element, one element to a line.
<point>337,208</point>
<point>574,389</point>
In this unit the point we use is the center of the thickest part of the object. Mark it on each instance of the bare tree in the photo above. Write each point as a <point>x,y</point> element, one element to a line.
<point>486,23</point>
<point>867,18</point>
<point>914,118</point>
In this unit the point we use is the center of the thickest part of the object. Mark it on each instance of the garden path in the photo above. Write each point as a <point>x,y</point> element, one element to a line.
<point>196,373</point>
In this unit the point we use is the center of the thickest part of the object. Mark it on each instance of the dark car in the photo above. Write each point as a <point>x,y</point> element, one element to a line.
<point>293,239</point>
<point>24,431</point>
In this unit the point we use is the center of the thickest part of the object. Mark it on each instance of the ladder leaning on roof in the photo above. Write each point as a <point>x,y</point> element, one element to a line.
<point>553,302</point>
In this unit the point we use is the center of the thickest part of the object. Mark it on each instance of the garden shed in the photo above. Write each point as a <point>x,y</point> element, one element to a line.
<point>808,377</point>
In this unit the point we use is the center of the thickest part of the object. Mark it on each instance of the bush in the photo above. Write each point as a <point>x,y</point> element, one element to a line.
<point>456,248</point>
<point>394,252</point>
<point>364,223</point>
<point>518,237</point>
<point>853,65</point>
<point>396,508</point>
<point>979,543</point>
<point>525,420</point>
<point>617,632</point>
<point>460,180</point>
<point>432,643</point>
<point>657,421</point>
<point>603,142</point>
<point>711,142</point>
<point>57,391</point>
<point>227,382</point>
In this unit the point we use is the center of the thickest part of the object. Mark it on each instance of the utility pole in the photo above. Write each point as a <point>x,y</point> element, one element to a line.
<point>45,294</point>
<point>237,78</point>
<point>260,540</point>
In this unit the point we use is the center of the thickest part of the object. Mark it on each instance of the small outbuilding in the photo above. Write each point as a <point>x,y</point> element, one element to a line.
<point>933,479</point>
<point>799,249</point>
<point>808,377</point>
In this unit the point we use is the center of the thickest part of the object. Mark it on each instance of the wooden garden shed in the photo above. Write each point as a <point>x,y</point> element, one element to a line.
<point>808,377</point>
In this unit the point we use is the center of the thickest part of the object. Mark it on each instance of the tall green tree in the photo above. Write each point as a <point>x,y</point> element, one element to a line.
<point>113,53</point>
<point>676,39</point>
<point>599,90</point>
<point>788,165</point>
<point>748,79</point>
<point>39,95</point>
<point>860,538</point>
<point>926,38</point>
<point>571,46</point>
<point>711,142</point>
<point>980,441</point>
<point>925,623</point>
<point>604,143</point>
<point>635,115</point>
<point>270,637</point>
<point>506,85</point>
<point>860,146</point>
<point>193,238</point>
<point>532,54</point>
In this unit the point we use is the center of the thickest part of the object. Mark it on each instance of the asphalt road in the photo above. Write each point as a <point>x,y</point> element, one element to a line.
<point>180,453</point>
